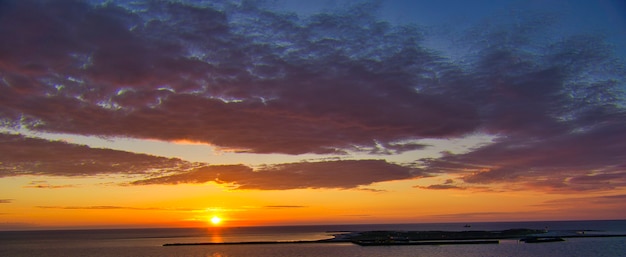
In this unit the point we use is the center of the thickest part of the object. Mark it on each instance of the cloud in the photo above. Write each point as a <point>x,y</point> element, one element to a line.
<point>607,206</point>
<point>372,190</point>
<point>441,187</point>
<point>112,207</point>
<point>575,202</point>
<point>450,184</point>
<point>175,71</point>
<point>47,186</point>
<point>284,206</point>
<point>559,117</point>
<point>346,174</point>
<point>103,207</point>
<point>245,76</point>
<point>32,156</point>
<point>6,200</point>
<point>572,161</point>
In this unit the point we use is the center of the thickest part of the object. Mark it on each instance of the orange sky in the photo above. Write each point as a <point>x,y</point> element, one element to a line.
<point>108,205</point>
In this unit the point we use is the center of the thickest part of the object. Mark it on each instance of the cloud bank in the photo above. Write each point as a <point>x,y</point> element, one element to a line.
<point>240,75</point>
<point>329,174</point>
<point>31,156</point>
<point>220,76</point>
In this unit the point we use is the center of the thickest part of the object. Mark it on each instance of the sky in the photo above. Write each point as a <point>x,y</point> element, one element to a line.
<point>119,113</point>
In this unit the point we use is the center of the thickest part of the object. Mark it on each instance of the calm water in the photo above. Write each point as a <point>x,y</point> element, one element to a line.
<point>147,242</point>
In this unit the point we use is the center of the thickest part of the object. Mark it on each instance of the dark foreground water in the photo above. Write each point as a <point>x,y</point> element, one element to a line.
<point>148,242</point>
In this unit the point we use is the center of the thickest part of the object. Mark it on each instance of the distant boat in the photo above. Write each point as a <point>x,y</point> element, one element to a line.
<point>467,226</point>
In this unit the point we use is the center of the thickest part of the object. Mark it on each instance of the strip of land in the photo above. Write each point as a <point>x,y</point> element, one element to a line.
<point>378,238</point>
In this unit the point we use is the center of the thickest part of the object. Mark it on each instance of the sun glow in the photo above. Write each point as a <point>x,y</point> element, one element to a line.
<point>215,220</point>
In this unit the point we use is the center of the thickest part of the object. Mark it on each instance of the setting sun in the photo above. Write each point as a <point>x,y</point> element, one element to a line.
<point>216,220</point>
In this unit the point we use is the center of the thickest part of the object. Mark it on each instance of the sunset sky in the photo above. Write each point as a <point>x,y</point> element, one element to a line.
<point>128,113</point>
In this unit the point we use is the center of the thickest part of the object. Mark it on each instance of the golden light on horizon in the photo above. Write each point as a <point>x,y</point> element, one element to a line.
<point>215,220</point>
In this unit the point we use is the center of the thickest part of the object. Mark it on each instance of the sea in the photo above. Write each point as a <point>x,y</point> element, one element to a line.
<point>149,242</point>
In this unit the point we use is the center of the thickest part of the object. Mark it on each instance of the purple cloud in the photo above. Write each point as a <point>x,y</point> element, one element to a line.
<point>30,156</point>
<point>441,187</point>
<point>212,80</point>
<point>43,185</point>
<point>579,161</point>
<point>329,174</point>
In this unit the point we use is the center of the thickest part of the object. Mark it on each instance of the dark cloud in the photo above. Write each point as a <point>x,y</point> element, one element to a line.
<point>591,159</point>
<point>450,184</point>
<point>330,174</point>
<point>372,190</point>
<point>6,200</point>
<point>219,75</point>
<point>243,76</point>
<point>44,185</point>
<point>441,187</point>
<point>31,156</point>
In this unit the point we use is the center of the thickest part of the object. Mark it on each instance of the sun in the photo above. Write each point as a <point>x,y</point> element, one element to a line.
<point>215,220</point>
